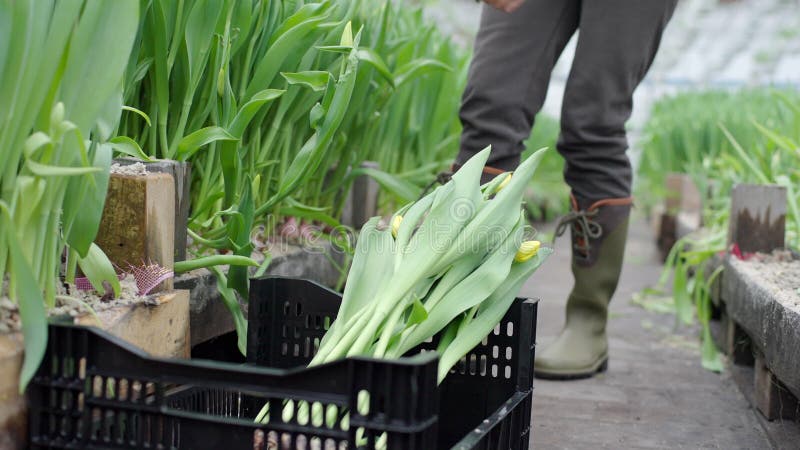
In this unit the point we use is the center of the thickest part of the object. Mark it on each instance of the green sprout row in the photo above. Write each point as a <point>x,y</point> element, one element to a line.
<point>750,136</point>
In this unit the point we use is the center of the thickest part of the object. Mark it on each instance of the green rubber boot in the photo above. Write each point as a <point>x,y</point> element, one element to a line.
<point>599,232</point>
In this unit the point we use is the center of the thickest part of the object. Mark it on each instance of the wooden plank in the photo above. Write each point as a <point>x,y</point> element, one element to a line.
<point>362,203</point>
<point>13,409</point>
<point>181,172</point>
<point>160,328</point>
<point>138,224</point>
<point>209,318</point>
<point>673,184</point>
<point>736,343</point>
<point>780,434</point>
<point>666,234</point>
<point>772,326</point>
<point>772,399</point>
<point>758,217</point>
<point>682,194</point>
<point>715,290</point>
<point>683,211</point>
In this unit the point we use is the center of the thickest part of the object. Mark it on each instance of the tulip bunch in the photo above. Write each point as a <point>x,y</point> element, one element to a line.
<point>454,260</point>
<point>452,263</point>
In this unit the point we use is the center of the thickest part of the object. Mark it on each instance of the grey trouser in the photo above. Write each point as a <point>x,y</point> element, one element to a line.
<point>514,57</point>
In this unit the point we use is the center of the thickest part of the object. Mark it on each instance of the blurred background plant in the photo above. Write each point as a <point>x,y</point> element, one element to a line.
<point>688,133</point>
<point>547,196</point>
<point>747,136</point>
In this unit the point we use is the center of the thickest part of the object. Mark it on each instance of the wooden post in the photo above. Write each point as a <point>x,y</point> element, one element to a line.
<point>735,342</point>
<point>362,203</point>
<point>758,224</point>
<point>138,223</point>
<point>13,409</point>
<point>181,172</point>
<point>674,185</point>
<point>758,217</point>
<point>690,213</point>
<point>771,398</point>
<point>159,327</point>
<point>683,211</point>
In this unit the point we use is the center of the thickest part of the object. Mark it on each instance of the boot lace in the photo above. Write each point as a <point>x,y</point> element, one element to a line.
<point>583,225</point>
<point>441,178</point>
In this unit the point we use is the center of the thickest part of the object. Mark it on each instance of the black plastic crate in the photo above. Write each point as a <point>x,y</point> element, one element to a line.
<point>96,391</point>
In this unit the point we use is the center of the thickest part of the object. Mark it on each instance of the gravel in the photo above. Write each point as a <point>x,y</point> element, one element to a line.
<point>9,316</point>
<point>779,272</point>
<point>131,169</point>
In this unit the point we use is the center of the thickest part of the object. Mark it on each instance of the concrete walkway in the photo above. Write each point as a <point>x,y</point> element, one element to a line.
<point>655,394</point>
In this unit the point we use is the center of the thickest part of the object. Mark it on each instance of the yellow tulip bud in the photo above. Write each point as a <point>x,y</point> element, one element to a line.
<point>527,250</point>
<point>398,219</point>
<point>503,184</point>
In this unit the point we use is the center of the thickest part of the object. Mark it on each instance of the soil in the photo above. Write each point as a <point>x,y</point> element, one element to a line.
<point>9,316</point>
<point>780,273</point>
<point>74,302</point>
<point>132,169</point>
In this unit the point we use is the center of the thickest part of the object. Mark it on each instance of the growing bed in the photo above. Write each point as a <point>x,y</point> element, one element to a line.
<point>762,298</point>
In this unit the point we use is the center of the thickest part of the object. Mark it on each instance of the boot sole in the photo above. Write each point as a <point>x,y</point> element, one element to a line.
<point>602,367</point>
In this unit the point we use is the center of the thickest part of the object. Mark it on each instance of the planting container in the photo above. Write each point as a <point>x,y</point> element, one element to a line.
<point>96,391</point>
<point>362,200</point>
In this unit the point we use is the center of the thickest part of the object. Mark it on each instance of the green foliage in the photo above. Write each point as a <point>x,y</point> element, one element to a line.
<point>547,196</point>
<point>684,135</point>
<point>277,104</point>
<point>61,70</point>
<point>275,91</point>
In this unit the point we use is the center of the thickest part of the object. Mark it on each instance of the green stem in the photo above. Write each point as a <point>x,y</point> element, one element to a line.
<point>341,347</point>
<point>52,259</point>
<point>178,135</point>
<point>388,330</point>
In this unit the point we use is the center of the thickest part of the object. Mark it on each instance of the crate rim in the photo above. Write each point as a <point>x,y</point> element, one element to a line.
<point>414,360</point>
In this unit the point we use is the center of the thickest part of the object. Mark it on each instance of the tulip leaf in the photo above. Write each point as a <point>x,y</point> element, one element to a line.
<point>313,79</point>
<point>99,270</point>
<point>204,136</point>
<point>128,146</point>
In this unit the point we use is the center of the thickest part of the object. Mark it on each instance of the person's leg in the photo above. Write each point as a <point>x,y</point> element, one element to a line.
<point>514,56</point>
<point>616,44</point>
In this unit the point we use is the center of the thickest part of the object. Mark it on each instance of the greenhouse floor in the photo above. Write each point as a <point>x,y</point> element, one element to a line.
<point>655,394</point>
